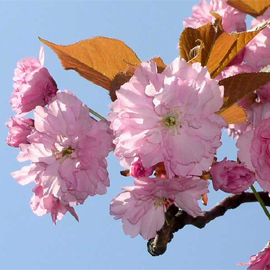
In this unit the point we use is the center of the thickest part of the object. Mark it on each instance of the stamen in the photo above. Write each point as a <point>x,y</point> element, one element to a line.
<point>164,202</point>
<point>64,154</point>
<point>172,121</point>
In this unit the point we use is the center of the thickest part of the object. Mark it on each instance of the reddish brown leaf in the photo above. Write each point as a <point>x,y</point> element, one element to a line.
<point>196,44</point>
<point>234,115</point>
<point>205,199</point>
<point>227,46</point>
<point>236,88</point>
<point>252,7</point>
<point>160,64</point>
<point>125,76</point>
<point>212,46</point>
<point>98,59</point>
<point>241,85</point>
<point>125,173</point>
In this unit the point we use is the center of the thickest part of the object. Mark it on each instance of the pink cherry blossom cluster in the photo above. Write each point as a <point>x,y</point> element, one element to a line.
<point>234,20</point>
<point>165,123</point>
<point>65,145</point>
<point>254,136</point>
<point>164,127</point>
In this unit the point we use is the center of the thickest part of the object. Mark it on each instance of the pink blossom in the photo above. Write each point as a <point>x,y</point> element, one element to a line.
<point>42,205</point>
<point>264,93</point>
<point>260,261</point>
<point>67,151</point>
<point>19,129</point>
<point>231,176</point>
<point>259,45</point>
<point>33,85</point>
<point>256,109</point>
<point>168,117</point>
<point>137,170</point>
<point>236,130</point>
<point>253,151</point>
<point>255,112</point>
<point>142,206</point>
<point>232,19</point>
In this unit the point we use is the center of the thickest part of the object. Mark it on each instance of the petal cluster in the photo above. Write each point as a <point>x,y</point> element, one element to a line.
<point>259,45</point>
<point>67,151</point>
<point>231,177</point>
<point>232,19</point>
<point>19,129</point>
<point>34,86</point>
<point>142,207</point>
<point>254,152</point>
<point>260,261</point>
<point>137,170</point>
<point>168,117</point>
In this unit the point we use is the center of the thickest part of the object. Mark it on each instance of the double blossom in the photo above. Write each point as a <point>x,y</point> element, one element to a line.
<point>67,150</point>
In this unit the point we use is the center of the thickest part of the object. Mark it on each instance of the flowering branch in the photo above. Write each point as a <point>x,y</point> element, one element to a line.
<point>176,220</point>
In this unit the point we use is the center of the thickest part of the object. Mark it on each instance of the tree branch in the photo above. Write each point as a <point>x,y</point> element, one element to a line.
<point>176,220</point>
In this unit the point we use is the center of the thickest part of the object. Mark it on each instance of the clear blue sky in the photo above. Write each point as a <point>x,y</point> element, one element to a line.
<point>151,28</point>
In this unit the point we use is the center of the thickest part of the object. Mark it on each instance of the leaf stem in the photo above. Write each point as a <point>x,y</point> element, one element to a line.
<point>97,114</point>
<point>258,197</point>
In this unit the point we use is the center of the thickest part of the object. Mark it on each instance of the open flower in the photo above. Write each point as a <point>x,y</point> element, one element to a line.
<point>33,85</point>
<point>42,205</point>
<point>67,151</point>
<point>19,129</point>
<point>169,117</point>
<point>259,45</point>
<point>143,206</point>
<point>232,19</point>
<point>254,152</point>
<point>260,261</point>
<point>231,176</point>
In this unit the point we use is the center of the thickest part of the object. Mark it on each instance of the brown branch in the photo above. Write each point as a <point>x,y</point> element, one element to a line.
<point>176,220</point>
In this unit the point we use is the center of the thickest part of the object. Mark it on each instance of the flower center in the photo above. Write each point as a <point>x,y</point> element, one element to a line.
<point>172,121</point>
<point>164,202</point>
<point>65,153</point>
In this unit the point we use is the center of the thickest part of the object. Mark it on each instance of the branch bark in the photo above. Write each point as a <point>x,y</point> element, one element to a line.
<point>176,220</point>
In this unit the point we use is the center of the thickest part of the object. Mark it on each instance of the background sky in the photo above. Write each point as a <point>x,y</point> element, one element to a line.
<point>150,28</point>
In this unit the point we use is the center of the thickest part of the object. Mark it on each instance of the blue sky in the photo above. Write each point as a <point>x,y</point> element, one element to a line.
<point>150,28</point>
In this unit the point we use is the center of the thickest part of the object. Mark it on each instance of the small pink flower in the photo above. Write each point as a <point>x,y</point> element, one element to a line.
<point>169,117</point>
<point>231,177</point>
<point>259,45</point>
<point>232,19</point>
<point>256,111</point>
<point>33,85</point>
<point>67,151</point>
<point>42,205</point>
<point>19,129</point>
<point>260,261</point>
<point>137,170</point>
<point>254,152</point>
<point>142,206</point>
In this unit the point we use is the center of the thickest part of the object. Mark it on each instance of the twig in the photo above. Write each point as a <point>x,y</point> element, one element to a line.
<point>176,220</point>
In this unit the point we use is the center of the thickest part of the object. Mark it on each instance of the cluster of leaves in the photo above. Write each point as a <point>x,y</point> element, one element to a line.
<point>110,63</point>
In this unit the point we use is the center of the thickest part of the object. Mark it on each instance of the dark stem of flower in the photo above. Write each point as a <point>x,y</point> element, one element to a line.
<point>176,220</point>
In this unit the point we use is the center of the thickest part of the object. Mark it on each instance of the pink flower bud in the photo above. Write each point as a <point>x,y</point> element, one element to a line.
<point>33,85</point>
<point>231,177</point>
<point>19,129</point>
<point>137,170</point>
